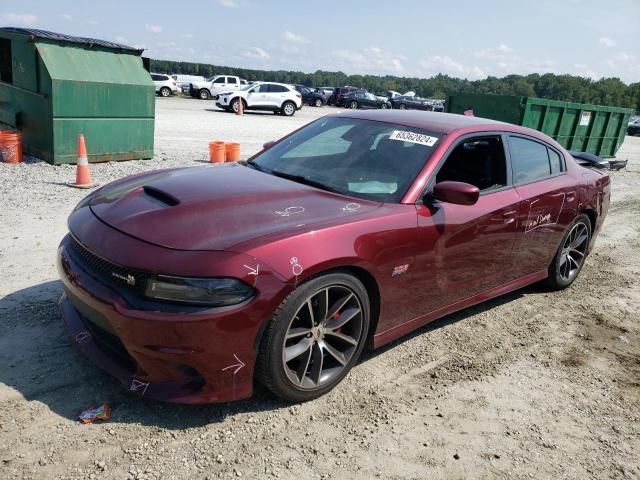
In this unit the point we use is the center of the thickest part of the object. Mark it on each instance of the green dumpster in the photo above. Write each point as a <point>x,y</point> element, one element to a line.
<point>585,128</point>
<point>53,87</point>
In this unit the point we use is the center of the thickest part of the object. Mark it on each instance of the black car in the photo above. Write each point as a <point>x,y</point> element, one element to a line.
<point>362,99</point>
<point>634,128</point>
<point>339,93</point>
<point>405,102</point>
<point>313,96</point>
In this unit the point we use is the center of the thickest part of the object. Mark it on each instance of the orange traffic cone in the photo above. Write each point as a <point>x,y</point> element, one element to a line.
<point>83,175</point>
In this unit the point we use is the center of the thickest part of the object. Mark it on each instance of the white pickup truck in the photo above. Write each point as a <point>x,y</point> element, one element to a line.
<point>216,85</point>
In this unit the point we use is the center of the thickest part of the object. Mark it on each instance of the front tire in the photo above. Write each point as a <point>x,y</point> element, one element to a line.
<point>165,92</point>
<point>315,337</point>
<point>353,105</point>
<point>569,259</point>
<point>317,102</point>
<point>288,109</point>
<point>235,105</point>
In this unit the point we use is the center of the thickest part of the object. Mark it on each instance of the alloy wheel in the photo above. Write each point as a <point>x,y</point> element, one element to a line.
<point>573,251</point>
<point>288,109</point>
<point>353,105</point>
<point>318,102</point>
<point>322,337</point>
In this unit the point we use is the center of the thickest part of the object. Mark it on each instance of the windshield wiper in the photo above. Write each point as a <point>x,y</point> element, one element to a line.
<point>254,165</point>
<point>303,180</point>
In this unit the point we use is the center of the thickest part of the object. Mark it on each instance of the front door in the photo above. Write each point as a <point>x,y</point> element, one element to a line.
<point>467,249</point>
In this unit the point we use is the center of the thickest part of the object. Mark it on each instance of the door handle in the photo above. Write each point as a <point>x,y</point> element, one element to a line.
<point>506,217</point>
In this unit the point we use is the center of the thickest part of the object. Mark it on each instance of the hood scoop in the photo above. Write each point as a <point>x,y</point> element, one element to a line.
<point>161,196</point>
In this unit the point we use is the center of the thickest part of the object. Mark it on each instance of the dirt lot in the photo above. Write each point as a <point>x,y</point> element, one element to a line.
<point>532,385</point>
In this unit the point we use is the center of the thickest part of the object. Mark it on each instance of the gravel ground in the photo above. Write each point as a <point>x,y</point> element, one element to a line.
<point>531,385</point>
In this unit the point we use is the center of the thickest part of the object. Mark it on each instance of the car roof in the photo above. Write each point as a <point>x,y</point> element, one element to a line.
<point>445,123</point>
<point>432,121</point>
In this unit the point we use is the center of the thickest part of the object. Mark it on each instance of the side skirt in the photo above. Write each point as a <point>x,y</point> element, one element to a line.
<point>387,336</point>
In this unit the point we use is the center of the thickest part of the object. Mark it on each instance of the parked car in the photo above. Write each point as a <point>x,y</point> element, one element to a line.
<point>634,127</point>
<point>188,284</point>
<point>328,91</point>
<point>276,97</point>
<point>339,93</point>
<point>212,87</point>
<point>311,96</point>
<point>361,99</point>
<point>165,85</point>
<point>391,94</point>
<point>411,103</point>
<point>183,81</point>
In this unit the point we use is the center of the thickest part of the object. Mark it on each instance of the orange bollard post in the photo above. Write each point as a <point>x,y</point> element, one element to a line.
<point>233,152</point>
<point>240,107</point>
<point>83,175</point>
<point>216,152</point>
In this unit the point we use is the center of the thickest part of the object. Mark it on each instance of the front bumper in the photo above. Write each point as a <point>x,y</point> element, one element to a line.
<point>196,357</point>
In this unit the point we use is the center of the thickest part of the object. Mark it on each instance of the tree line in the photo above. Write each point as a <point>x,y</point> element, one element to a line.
<point>568,88</point>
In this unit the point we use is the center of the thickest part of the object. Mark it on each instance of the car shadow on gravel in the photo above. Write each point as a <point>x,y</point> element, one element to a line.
<point>454,318</point>
<point>252,112</point>
<point>39,363</point>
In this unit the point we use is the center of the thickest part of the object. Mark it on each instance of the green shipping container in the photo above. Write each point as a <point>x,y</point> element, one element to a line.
<point>53,87</point>
<point>585,128</point>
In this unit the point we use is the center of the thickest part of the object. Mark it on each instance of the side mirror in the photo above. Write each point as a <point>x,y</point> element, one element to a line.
<point>459,193</point>
<point>269,144</point>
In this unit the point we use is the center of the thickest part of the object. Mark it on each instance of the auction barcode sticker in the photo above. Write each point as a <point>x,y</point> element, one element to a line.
<point>413,137</point>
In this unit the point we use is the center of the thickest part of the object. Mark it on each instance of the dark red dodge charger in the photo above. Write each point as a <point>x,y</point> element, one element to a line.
<point>190,284</point>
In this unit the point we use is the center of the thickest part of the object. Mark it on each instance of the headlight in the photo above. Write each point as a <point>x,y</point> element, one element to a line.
<point>214,292</point>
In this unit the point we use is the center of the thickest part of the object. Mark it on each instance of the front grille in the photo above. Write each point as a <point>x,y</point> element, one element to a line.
<point>107,271</point>
<point>111,345</point>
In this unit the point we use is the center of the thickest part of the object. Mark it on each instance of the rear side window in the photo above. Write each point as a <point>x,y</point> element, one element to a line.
<point>529,159</point>
<point>555,161</point>
<point>277,88</point>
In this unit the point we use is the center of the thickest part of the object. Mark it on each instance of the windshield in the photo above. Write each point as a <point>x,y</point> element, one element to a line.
<point>360,158</point>
<point>246,87</point>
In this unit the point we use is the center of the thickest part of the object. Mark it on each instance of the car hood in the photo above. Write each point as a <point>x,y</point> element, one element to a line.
<point>218,206</point>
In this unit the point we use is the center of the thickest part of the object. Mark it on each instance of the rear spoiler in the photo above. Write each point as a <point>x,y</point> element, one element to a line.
<point>590,160</point>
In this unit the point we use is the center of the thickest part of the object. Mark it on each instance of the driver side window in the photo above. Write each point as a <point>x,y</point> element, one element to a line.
<point>479,161</point>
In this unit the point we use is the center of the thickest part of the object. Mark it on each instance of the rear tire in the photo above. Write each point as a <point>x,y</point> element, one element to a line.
<point>353,105</point>
<point>204,94</point>
<point>569,259</point>
<point>317,102</point>
<point>165,92</point>
<point>315,337</point>
<point>402,106</point>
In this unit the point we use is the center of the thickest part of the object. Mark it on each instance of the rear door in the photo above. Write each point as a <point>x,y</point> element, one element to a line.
<point>276,96</point>
<point>549,202</point>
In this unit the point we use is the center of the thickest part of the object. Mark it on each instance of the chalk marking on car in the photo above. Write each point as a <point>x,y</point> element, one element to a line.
<point>253,271</point>
<point>542,219</point>
<point>296,268</point>
<point>137,385</point>
<point>239,365</point>
<point>351,207</point>
<point>290,211</point>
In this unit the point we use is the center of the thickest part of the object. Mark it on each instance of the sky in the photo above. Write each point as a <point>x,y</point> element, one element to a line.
<point>463,38</point>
